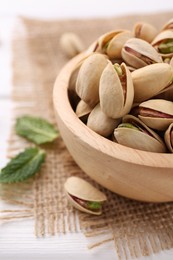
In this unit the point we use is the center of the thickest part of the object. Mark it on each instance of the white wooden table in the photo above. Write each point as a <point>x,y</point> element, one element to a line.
<point>17,241</point>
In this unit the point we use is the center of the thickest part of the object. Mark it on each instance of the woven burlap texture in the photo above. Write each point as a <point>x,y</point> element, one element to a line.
<point>137,228</point>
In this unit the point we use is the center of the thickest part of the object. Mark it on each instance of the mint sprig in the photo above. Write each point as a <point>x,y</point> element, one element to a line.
<point>23,166</point>
<point>36,129</point>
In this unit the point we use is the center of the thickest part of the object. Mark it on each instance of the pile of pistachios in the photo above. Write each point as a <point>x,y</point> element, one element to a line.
<point>125,86</point>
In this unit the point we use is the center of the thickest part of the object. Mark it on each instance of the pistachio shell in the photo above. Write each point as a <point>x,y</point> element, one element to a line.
<point>113,101</point>
<point>150,80</point>
<point>139,53</point>
<point>82,109</point>
<point>71,44</point>
<point>138,139</point>
<point>116,43</point>
<point>100,123</point>
<point>87,84</point>
<point>169,137</point>
<point>79,188</point>
<point>144,31</point>
<point>104,40</point>
<point>153,120</point>
<point>164,35</point>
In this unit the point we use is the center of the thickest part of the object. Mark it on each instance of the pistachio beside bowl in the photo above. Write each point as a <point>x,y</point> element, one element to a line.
<point>120,128</point>
<point>83,196</point>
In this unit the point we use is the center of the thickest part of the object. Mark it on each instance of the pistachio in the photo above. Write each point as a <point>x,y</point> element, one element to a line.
<point>84,196</point>
<point>115,45</point>
<point>169,137</point>
<point>135,134</point>
<point>151,80</point>
<point>163,43</point>
<point>156,113</point>
<point>83,110</point>
<point>103,41</point>
<point>144,31</point>
<point>139,53</point>
<point>100,123</point>
<point>87,84</point>
<point>116,90</point>
<point>71,44</point>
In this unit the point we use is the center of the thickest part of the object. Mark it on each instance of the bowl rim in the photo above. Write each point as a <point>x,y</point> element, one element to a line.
<point>63,107</point>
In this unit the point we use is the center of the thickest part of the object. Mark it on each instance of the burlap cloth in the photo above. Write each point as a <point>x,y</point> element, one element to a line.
<point>136,228</point>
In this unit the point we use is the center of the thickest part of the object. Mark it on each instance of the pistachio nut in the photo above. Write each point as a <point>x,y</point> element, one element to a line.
<point>168,25</point>
<point>139,53</point>
<point>71,44</point>
<point>84,196</point>
<point>144,31</point>
<point>116,90</point>
<point>135,134</point>
<point>151,80</point>
<point>100,123</point>
<point>103,41</point>
<point>169,137</point>
<point>164,43</point>
<point>115,45</point>
<point>83,110</point>
<point>156,113</point>
<point>87,84</point>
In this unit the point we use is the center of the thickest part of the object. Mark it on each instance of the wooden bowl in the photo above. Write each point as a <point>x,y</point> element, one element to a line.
<point>129,172</point>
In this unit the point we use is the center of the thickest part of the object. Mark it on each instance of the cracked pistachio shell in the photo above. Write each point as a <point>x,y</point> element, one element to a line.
<point>101,44</point>
<point>169,137</point>
<point>156,113</point>
<point>151,80</point>
<point>135,138</point>
<point>71,44</point>
<point>81,189</point>
<point>116,100</point>
<point>116,43</point>
<point>83,110</point>
<point>168,25</point>
<point>161,37</point>
<point>87,84</point>
<point>100,123</point>
<point>145,31</point>
<point>139,53</point>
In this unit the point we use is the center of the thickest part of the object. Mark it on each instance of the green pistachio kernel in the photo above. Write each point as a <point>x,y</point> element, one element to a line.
<point>166,47</point>
<point>128,125</point>
<point>118,69</point>
<point>93,205</point>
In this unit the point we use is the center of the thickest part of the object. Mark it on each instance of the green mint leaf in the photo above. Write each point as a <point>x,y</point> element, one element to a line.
<point>23,166</point>
<point>94,205</point>
<point>36,129</point>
